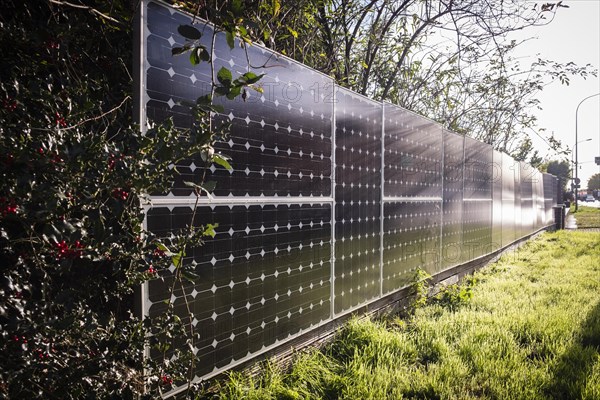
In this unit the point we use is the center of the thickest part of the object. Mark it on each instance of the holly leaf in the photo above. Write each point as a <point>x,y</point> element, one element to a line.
<point>164,248</point>
<point>177,258</point>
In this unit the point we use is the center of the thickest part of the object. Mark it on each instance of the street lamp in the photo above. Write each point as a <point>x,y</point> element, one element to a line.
<point>581,141</point>
<point>576,155</point>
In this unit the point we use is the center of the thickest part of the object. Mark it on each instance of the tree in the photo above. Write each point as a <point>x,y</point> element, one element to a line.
<point>446,60</point>
<point>594,182</point>
<point>561,170</point>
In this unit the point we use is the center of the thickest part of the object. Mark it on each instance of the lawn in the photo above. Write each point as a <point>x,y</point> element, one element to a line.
<point>526,327</point>
<point>587,217</point>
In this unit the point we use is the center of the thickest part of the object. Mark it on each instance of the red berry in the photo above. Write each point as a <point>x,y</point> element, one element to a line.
<point>120,194</point>
<point>60,120</point>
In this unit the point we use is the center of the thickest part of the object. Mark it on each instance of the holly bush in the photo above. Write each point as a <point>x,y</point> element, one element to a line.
<point>75,172</point>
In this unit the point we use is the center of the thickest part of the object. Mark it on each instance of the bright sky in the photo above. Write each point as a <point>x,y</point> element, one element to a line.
<point>574,35</point>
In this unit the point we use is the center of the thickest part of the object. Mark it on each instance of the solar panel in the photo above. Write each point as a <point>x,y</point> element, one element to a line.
<point>333,202</point>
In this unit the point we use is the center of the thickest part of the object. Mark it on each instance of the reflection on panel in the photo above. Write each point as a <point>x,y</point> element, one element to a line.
<point>265,276</point>
<point>477,195</point>
<point>280,141</point>
<point>515,166</point>
<point>412,155</point>
<point>539,200</point>
<point>528,214</point>
<point>358,200</point>
<point>497,182</point>
<point>452,199</point>
<point>411,240</point>
<point>508,200</point>
<point>550,185</point>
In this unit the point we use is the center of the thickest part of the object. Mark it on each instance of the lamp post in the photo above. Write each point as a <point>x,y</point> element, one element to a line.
<point>572,161</point>
<point>576,154</point>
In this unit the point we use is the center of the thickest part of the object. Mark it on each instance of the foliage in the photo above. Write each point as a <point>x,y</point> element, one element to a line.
<point>561,170</point>
<point>594,182</point>
<point>453,296</point>
<point>75,176</point>
<point>449,61</point>
<point>516,338</point>
<point>420,289</point>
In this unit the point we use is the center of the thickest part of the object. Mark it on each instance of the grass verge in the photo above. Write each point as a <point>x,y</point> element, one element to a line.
<point>526,327</point>
<point>587,217</point>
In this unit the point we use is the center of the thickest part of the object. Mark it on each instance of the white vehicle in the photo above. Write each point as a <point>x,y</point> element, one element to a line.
<point>589,197</point>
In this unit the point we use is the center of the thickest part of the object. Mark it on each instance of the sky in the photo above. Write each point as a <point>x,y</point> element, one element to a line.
<point>574,35</point>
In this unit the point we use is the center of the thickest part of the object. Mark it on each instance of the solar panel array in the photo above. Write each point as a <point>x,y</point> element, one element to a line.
<point>334,200</point>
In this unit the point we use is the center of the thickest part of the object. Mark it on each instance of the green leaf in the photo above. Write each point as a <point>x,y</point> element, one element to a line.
<point>189,275</point>
<point>222,161</point>
<point>205,187</point>
<point>222,90</point>
<point>189,32</point>
<point>237,7</point>
<point>209,186</point>
<point>276,6</point>
<point>179,50</point>
<point>194,58</point>
<point>204,55</point>
<point>234,92</point>
<point>224,76</point>
<point>205,100</point>
<point>293,32</point>
<point>164,248</point>
<point>209,230</point>
<point>250,77</point>
<point>229,39</point>
<point>177,258</point>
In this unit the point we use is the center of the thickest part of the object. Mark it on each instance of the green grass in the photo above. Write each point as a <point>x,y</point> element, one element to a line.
<point>587,217</point>
<point>526,327</point>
